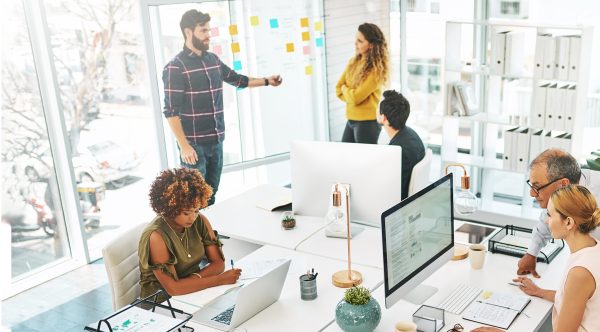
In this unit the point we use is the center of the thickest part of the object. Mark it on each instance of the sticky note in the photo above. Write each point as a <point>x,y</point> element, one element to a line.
<point>254,21</point>
<point>289,47</point>
<point>318,26</point>
<point>217,49</point>
<point>235,47</point>
<point>304,22</point>
<point>214,32</point>
<point>237,65</point>
<point>305,36</point>
<point>306,50</point>
<point>233,29</point>
<point>308,70</point>
<point>274,23</point>
<point>319,41</point>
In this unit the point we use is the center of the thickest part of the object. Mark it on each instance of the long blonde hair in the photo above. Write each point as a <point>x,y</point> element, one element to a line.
<point>377,57</point>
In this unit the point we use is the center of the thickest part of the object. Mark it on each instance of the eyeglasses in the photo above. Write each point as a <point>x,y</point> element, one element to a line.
<point>537,190</point>
<point>456,328</point>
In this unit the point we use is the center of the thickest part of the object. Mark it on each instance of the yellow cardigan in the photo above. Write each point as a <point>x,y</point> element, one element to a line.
<point>361,99</point>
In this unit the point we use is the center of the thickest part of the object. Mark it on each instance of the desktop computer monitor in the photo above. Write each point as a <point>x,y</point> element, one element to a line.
<point>418,238</point>
<point>373,172</point>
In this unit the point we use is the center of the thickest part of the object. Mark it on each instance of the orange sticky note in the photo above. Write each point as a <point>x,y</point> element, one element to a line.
<point>289,47</point>
<point>318,26</point>
<point>233,29</point>
<point>235,47</point>
<point>308,70</point>
<point>254,21</point>
<point>305,36</point>
<point>304,22</point>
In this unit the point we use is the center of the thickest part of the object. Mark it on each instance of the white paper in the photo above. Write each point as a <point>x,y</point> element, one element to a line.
<point>138,319</point>
<point>257,269</point>
<point>498,310</point>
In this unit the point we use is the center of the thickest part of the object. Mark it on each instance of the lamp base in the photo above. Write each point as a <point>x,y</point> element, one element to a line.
<point>340,279</point>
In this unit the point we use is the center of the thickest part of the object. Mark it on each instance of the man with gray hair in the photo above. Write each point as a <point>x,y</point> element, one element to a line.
<point>552,169</point>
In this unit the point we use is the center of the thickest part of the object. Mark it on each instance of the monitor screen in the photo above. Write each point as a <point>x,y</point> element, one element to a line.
<point>373,172</point>
<point>418,238</point>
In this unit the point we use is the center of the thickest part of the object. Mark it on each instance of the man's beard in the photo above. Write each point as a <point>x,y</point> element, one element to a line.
<point>199,44</point>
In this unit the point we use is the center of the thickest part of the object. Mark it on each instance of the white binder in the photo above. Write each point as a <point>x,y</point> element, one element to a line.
<point>522,150</point>
<point>538,65</point>
<point>536,143</point>
<point>538,108</point>
<point>552,103</point>
<point>562,57</point>
<point>562,105</point>
<point>574,54</point>
<point>510,148</point>
<point>570,107</point>
<point>566,142</point>
<point>497,53</point>
<point>549,54</point>
<point>513,55</point>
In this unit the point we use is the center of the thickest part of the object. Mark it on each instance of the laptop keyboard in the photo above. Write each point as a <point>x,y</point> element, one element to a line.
<point>225,316</point>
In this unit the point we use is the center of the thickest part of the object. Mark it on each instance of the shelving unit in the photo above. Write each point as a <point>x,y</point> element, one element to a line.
<point>504,82</point>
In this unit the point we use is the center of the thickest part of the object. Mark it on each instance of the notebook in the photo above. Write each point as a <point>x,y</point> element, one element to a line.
<point>496,309</point>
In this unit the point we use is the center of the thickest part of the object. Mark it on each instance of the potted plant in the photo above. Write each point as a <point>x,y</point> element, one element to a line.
<point>288,221</point>
<point>358,311</point>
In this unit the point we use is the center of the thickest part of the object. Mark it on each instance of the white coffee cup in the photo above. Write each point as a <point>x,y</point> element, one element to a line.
<point>477,255</point>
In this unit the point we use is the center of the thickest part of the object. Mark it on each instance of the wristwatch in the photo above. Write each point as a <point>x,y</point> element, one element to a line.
<point>266,81</point>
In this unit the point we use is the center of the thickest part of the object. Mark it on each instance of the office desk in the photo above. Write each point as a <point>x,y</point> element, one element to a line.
<point>365,247</point>
<point>240,218</point>
<point>497,271</point>
<point>290,312</point>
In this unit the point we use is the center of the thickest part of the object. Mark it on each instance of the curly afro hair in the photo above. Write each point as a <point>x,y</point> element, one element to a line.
<point>175,190</point>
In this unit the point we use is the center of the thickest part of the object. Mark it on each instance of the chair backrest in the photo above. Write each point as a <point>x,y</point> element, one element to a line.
<point>419,177</point>
<point>122,266</point>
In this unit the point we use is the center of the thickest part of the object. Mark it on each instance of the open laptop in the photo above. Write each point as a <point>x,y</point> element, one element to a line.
<point>239,304</point>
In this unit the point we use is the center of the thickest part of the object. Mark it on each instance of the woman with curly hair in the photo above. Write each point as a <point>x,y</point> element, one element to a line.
<point>180,237</point>
<point>361,84</point>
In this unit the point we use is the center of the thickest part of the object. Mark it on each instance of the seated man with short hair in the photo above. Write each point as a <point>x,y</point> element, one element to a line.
<point>394,110</point>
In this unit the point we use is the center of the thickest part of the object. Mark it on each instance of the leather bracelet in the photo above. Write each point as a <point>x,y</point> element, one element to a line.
<point>266,82</point>
<point>197,275</point>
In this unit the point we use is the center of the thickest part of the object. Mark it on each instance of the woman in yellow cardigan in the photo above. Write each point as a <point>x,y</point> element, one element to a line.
<point>361,84</point>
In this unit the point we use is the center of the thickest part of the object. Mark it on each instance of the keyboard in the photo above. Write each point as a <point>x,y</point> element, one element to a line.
<point>225,316</point>
<point>459,299</point>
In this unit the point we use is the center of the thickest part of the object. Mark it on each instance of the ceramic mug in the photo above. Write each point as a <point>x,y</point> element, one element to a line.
<point>477,255</point>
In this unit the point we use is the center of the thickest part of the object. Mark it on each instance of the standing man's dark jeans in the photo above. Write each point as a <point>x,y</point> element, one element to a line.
<point>210,164</point>
<point>361,132</point>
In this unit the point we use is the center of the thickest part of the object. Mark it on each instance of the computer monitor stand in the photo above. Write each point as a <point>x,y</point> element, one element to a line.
<point>420,294</point>
<point>333,232</point>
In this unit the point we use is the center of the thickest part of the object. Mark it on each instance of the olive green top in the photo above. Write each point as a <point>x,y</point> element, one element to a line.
<point>194,240</point>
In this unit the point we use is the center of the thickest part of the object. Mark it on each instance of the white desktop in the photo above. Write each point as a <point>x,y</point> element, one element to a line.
<point>373,171</point>
<point>417,238</point>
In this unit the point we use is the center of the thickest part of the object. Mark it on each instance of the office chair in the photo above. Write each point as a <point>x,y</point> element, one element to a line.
<point>122,266</point>
<point>419,177</point>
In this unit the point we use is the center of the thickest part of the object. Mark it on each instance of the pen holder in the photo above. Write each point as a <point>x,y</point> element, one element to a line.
<point>429,319</point>
<point>308,287</point>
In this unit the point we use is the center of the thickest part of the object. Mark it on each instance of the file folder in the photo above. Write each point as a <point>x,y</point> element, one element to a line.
<point>522,150</point>
<point>570,107</point>
<point>538,64</point>
<point>562,57</point>
<point>538,109</point>
<point>498,51</point>
<point>574,55</point>
<point>549,54</point>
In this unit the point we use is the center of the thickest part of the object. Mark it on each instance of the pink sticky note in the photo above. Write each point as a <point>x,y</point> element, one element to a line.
<point>218,50</point>
<point>214,32</point>
<point>306,50</point>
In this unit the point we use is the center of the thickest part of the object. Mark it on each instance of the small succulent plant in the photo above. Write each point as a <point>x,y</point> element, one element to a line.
<point>357,295</point>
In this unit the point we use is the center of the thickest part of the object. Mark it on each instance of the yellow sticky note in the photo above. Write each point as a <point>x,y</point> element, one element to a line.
<point>318,26</point>
<point>254,21</point>
<point>233,29</point>
<point>308,70</point>
<point>235,47</point>
<point>289,47</point>
<point>304,22</point>
<point>486,294</point>
<point>305,36</point>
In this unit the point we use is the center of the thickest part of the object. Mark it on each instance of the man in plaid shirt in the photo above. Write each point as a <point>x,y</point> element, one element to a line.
<point>193,82</point>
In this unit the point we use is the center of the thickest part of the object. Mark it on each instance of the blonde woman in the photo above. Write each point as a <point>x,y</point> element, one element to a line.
<point>572,214</point>
<point>361,84</point>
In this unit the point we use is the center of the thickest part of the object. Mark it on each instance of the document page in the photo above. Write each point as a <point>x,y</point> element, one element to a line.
<point>257,269</point>
<point>496,309</point>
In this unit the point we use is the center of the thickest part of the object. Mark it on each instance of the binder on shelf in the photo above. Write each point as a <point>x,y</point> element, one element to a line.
<point>135,318</point>
<point>510,148</point>
<point>570,107</point>
<point>538,62</point>
<point>466,98</point>
<point>574,55</point>
<point>536,144</point>
<point>514,54</point>
<point>538,110</point>
<point>560,121</point>
<point>554,140</point>
<point>514,240</point>
<point>522,150</point>
<point>453,107</point>
<point>549,54</point>
<point>552,105</point>
<point>562,58</point>
<point>498,53</point>
<point>566,141</point>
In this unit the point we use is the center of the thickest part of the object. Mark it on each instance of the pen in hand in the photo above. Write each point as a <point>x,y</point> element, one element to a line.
<point>232,264</point>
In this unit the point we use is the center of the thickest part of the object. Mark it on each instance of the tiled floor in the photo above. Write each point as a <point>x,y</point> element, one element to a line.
<point>66,303</point>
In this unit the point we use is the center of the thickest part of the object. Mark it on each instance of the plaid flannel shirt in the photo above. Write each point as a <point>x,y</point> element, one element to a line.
<point>194,92</point>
